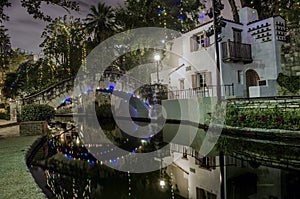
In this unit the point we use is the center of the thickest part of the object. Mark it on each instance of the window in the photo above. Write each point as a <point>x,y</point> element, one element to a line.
<point>262,82</point>
<point>181,84</point>
<point>188,68</point>
<point>199,41</point>
<point>208,162</point>
<point>240,77</point>
<point>201,80</point>
<point>205,162</point>
<point>184,155</point>
<point>204,194</point>
<point>237,35</point>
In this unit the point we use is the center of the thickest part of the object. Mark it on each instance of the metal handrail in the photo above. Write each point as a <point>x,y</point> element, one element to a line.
<point>208,91</point>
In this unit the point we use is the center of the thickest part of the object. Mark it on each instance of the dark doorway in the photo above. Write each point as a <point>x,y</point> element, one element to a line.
<point>251,79</point>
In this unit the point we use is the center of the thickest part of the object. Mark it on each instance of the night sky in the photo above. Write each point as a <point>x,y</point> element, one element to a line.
<point>25,31</point>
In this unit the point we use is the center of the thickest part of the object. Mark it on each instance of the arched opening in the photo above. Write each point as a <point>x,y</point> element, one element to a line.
<point>251,79</point>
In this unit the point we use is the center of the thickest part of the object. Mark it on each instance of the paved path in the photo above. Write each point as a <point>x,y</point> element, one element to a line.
<point>9,128</point>
<point>16,180</point>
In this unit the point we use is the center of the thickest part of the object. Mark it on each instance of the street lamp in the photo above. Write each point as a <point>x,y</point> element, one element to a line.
<point>162,183</point>
<point>216,29</point>
<point>157,59</point>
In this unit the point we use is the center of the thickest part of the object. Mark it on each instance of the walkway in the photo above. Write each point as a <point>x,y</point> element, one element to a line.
<point>9,128</point>
<point>16,180</point>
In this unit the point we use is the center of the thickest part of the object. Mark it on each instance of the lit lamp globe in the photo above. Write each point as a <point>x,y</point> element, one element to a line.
<point>162,183</point>
<point>156,57</point>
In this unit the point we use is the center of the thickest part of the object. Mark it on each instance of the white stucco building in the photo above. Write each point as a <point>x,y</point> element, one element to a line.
<point>249,65</point>
<point>249,58</point>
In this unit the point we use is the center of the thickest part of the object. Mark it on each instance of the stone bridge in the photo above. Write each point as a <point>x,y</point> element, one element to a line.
<point>55,94</point>
<point>52,95</point>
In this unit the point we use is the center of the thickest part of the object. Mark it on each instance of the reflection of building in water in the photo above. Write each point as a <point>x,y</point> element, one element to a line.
<point>254,169</point>
<point>194,177</point>
<point>199,178</point>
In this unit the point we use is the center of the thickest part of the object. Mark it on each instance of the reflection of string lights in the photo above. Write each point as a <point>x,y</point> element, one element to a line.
<point>129,184</point>
<point>83,154</point>
<point>172,186</point>
<point>62,192</point>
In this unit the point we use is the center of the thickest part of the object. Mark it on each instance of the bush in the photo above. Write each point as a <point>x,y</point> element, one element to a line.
<point>36,112</point>
<point>104,111</point>
<point>2,105</point>
<point>4,111</point>
<point>275,118</point>
<point>64,110</point>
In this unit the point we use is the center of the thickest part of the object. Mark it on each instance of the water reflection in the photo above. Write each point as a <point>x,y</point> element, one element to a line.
<point>254,169</point>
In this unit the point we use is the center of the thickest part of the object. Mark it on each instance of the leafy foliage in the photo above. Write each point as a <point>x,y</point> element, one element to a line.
<point>178,15</point>
<point>64,41</point>
<point>275,118</point>
<point>104,111</point>
<point>286,8</point>
<point>101,22</point>
<point>64,110</point>
<point>4,3</point>
<point>33,7</point>
<point>291,83</point>
<point>234,10</point>
<point>36,112</point>
<point>4,111</point>
<point>5,49</point>
<point>12,85</point>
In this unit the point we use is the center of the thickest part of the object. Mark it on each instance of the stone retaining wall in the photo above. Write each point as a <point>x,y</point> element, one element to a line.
<point>291,104</point>
<point>33,128</point>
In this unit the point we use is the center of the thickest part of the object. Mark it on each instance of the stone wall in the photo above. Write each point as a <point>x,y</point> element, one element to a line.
<point>33,128</point>
<point>287,104</point>
<point>13,110</point>
<point>290,51</point>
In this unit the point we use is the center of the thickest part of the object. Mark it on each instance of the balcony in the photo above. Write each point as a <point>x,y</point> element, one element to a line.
<point>236,52</point>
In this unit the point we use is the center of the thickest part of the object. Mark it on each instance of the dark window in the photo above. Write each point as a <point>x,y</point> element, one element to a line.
<point>198,41</point>
<point>237,35</point>
<point>262,82</point>
<point>204,194</point>
<point>184,155</point>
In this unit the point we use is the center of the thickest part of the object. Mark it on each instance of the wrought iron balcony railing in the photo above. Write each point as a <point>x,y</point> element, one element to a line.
<point>236,52</point>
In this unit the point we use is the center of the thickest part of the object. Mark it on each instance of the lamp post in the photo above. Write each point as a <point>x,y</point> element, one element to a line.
<point>216,29</point>
<point>157,59</point>
<point>216,12</point>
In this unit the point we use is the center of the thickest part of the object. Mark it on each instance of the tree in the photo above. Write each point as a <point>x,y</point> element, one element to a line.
<point>17,82</point>
<point>234,10</point>
<point>10,88</point>
<point>179,15</point>
<point>5,54</point>
<point>101,22</point>
<point>64,44</point>
<point>33,7</point>
<point>5,50</point>
<point>17,57</point>
<point>286,8</point>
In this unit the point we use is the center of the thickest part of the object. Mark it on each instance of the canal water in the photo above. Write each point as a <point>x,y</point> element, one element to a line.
<point>72,165</point>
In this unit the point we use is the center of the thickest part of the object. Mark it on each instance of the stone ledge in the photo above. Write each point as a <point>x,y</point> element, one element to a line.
<point>33,128</point>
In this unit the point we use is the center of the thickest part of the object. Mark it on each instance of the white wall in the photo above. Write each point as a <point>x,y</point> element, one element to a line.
<point>265,55</point>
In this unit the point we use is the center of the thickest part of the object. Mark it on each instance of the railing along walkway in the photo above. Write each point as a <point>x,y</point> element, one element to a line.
<point>208,91</point>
